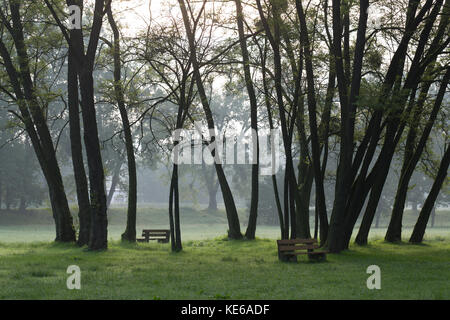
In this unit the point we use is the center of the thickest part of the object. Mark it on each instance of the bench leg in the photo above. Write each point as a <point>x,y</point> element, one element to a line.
<point>317,257</point>
<point>287,257</point>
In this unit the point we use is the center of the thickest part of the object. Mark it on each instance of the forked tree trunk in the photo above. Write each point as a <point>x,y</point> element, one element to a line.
<point>84,206</point>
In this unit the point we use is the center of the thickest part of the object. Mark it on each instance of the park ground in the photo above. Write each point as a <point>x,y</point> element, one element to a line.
<point>212,267</point>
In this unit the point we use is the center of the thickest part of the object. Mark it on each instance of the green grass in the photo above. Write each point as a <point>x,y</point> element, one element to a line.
<point>220,269</point>
<point>33,267</point>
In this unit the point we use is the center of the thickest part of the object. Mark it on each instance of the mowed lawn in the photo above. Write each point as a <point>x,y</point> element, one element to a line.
<point>222,269</point>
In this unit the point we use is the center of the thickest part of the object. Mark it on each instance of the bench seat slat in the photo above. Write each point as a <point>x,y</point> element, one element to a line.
<point>300,247</point>
<point>296,241</point>
<point>305,252</point>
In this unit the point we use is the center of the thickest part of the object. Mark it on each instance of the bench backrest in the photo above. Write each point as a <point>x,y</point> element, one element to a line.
<point>297,244</point>
<point>156,233</point>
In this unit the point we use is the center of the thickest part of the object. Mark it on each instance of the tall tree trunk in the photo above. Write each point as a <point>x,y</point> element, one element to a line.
<point>98,238</point>
<point>234,231</point>
<point>174,217</point>
<point>84,206</point>
<point>421,224</point>
<point>251,228</point>
<point>178,244</point>
<point>130,231</point>
<point>171,218</point>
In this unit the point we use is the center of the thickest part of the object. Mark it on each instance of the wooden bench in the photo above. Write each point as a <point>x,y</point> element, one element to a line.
<point>161,235</point>
<point>289,249</point>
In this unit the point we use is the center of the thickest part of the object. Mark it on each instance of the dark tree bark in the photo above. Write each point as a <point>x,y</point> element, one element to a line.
<point>338,224</point>
<point>234,231</point>
<point>334,240</point>
<point>174,219</point>
<point>98,239</point>
<point>171,218</point>
<point>84,206</point>
<point>421,224</point>
<point>130,231</point>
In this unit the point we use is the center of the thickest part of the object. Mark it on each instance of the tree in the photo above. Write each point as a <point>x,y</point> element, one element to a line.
<point>419,228</point>
<point>130,231</point>
<point>234,231</point>
<point>22,89</point>
<point>84,65</point>
<point>251,228</point>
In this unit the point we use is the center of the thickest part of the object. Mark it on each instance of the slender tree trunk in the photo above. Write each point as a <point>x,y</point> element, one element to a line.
<point>171,218</point>
<point>130,231</point>
<point>421,224</point>
<point>269,115</point>
<point>114,182</point>
<point>251,228</point>
<point>178,244</point>
<point>234,231</point>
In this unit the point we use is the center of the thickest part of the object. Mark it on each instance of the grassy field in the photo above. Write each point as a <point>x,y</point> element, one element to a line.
<point>220,269</point>
<point>210,267</point>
